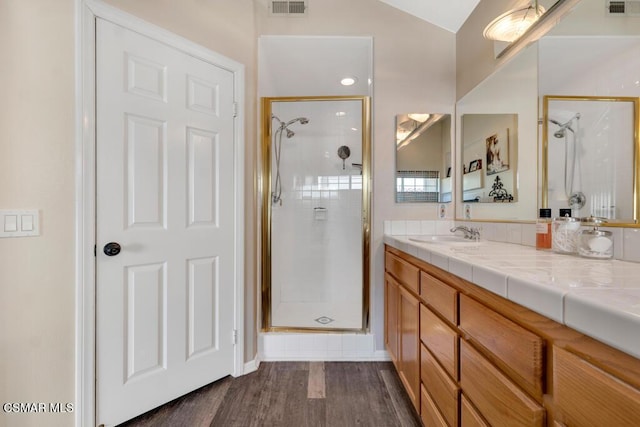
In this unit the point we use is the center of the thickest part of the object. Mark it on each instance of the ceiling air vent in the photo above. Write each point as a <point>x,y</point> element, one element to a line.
<point>623,7</point>
<point>288,8</point>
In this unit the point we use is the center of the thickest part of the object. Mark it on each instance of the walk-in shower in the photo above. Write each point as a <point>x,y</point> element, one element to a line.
<point>315,222</point>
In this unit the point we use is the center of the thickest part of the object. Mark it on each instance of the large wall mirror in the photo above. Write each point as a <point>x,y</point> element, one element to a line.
<point>501,112</point>
<point>588,71</point>
<point>489,158</point>
<point>423,158</point>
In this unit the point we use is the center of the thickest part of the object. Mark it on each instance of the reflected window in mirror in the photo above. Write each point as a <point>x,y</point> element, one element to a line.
<point>423,158</point>
<point>489,158</point>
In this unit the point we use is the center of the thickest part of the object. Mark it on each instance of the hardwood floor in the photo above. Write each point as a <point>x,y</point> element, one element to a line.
<point>297,394</point>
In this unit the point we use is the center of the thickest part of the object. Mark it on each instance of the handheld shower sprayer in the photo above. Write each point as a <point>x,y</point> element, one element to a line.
<point>276,194</point>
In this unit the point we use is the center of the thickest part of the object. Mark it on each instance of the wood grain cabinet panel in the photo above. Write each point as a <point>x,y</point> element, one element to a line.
<point>469,416</point>
<point>407,274</point>
<point>391,301</point>
<point>429,413</point>
<point>515,350</point>
<point>440,296</point>
<point>587,396</point>
<point>444,392</point>
<point>499,400</point>
<point>410,345</point>
<point>441,340</point>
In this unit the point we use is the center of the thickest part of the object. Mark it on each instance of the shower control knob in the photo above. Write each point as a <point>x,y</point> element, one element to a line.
<point>112,249</point>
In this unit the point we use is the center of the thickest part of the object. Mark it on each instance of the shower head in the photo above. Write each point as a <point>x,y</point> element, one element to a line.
<point>302,120</point>
<point>290,133</point>
<point>562,132</point>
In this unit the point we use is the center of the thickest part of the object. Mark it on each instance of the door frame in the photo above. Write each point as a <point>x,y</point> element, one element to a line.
<point>86,13</point>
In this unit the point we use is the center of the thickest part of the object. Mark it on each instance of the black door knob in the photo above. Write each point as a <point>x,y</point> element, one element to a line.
<point>112,249</point>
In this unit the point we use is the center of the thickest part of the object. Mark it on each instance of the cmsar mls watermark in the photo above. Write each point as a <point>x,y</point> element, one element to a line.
<point>36,407</point>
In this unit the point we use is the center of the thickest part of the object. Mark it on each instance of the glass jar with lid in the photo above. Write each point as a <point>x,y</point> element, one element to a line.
<point>566,230</point>
<point>595,243</point>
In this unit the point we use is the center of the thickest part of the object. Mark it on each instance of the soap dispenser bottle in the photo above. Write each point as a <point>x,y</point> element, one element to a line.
<point>596,243</point>
<point>543,230</point>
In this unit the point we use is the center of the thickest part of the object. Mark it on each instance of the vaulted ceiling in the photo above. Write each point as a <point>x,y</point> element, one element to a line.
<point>448,14</point>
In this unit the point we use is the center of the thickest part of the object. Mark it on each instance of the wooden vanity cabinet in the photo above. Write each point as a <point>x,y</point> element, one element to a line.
<point>391,309</point>
<point>402,322</point>
<point>468,357</point>
<point>409,345</point>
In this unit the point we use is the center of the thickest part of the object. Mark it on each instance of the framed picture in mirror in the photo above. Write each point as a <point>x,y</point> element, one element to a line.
<point>497,152</point>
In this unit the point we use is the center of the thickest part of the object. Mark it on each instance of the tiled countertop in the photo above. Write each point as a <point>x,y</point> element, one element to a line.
<point>600,298</point>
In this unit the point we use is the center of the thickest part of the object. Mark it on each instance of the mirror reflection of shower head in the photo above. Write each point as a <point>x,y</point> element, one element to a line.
<point>302,120</point>
<point>561,133</point>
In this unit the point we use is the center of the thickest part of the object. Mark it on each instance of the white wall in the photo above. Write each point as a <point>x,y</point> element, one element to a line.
<point>37,172</point>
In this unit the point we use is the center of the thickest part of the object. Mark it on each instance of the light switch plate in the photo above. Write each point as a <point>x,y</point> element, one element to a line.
<point>19,223</point>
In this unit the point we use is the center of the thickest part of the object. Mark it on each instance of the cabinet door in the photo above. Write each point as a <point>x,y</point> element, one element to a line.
<point>517,351</point>
<point>469,416</point>
<point>585,395</point>
<point>391,306</point>
<point>410,345</point>
<point>498,399</point>
<point>444,392</point>
<point>441,340</point>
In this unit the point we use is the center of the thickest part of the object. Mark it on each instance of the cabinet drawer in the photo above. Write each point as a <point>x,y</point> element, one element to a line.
<point>514,349</point>
<point>441,340</point>
<point>429,412</point>
<point>586,395</point>
<point>469,416</point>
<point>443,391</point>
<point>500,401</point>
<point>407,274</point>
<point>440,296</point>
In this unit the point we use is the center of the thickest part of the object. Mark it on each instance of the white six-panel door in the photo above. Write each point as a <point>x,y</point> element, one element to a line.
<point>165,194</point>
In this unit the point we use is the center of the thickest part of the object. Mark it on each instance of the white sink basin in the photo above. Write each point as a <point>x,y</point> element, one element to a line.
<point>448,239</point>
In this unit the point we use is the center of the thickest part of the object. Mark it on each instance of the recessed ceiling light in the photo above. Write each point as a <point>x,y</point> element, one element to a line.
<point>348,81</point>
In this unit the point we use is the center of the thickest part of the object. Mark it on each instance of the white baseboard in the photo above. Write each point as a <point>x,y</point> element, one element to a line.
<point>330,347</point>
<point>251,366</point>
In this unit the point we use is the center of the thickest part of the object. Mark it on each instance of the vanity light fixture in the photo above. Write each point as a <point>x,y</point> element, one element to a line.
<point>404,136</point>
<point>511,25</point>
<point>348,81</point>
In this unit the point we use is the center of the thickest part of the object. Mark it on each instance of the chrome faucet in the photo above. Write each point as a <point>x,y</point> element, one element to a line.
<point>469,232</point>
